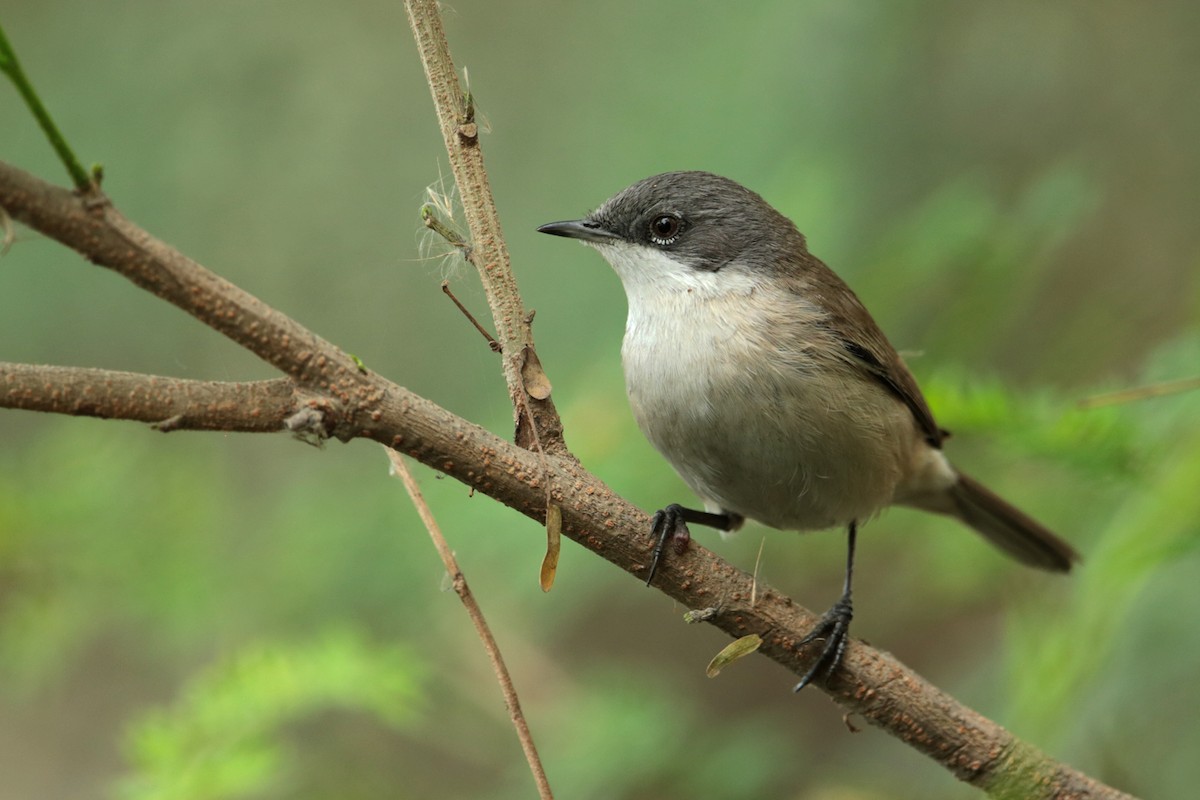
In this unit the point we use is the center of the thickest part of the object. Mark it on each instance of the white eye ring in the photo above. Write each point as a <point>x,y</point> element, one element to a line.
<point>664,229</point>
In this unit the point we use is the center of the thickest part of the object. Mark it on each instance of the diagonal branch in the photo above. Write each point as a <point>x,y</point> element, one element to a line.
<point>96,230</point>
<point>103,235</point>
<point>484,631</point>
<point>356,404</point>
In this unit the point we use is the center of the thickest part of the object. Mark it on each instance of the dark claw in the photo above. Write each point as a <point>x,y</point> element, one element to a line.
<point>668,523</point>
<point>833,628</point>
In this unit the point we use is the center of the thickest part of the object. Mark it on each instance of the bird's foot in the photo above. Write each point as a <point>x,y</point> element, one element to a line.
<point>668,524</point>
<point>833,629</point>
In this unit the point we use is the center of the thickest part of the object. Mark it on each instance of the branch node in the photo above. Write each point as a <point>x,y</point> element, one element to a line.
<point>701,615</point>
<point>172,423</point>
<point>468,99</point>
<point>429,219</point>
<point>93,199</point>
<point>468,132</point>
<point>308,425</point>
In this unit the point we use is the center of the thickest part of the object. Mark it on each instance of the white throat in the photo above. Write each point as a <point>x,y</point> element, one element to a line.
<point>657,285</point>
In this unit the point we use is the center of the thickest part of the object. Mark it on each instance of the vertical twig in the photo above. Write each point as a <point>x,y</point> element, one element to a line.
<point>456,118</point>
<point>461,136</point>
<point>481,627</point>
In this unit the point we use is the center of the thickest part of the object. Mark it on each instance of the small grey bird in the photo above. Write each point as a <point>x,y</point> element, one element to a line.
<point>766,384</point>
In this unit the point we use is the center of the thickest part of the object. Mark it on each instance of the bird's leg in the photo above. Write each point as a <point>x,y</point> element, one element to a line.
<point>671,523</point>
<point>834,625</point>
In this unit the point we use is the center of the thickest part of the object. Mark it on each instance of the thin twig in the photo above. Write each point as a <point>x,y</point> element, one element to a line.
<point>8,233</point>
<point>757,564</point>
<point>11,66</point>
<point>492,343</point>
<point>1140,393</point>
<point>430,220</point>
<point>481,627</point>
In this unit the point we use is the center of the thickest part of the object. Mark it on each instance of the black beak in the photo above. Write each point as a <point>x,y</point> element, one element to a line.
<point>581,229</point>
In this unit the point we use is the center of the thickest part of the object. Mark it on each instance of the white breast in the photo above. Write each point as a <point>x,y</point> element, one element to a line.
<point>727,379</point>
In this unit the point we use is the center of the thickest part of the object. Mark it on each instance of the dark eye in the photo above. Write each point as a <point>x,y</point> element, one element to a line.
<point>665,229</point>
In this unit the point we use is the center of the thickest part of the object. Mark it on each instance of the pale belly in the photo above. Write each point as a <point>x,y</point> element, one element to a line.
<point>797,446</point>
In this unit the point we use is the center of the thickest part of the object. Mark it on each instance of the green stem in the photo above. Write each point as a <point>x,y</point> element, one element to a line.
<point>431,221</point>
<point>11,67</point>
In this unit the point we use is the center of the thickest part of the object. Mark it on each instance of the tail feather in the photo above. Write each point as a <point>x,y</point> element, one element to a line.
<point>1009,528</point>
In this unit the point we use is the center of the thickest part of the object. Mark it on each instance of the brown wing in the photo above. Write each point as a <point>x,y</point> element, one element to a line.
<point>900,382</point>
<point>848,320</point>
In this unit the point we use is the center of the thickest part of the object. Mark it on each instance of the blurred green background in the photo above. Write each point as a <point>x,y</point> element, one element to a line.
<point>1011,188</point>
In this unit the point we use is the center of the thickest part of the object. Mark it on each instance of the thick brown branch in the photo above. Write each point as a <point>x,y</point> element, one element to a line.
<point>872,685</point>
<point>353,404</point>
<point>170,403</point>
<point>95,229</point>
<point>92,227</point>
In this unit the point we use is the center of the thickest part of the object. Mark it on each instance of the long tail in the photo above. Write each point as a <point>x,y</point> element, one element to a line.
<point>1010,529</point>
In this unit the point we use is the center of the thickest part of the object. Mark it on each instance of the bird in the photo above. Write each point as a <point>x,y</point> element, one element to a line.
<point>760,376</point>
